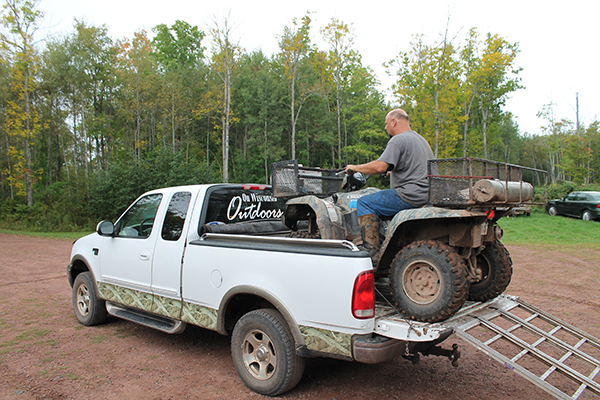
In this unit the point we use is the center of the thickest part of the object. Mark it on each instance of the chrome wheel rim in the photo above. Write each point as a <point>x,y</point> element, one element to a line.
<point>83,300</point>
<point>422,282</point>
<point>587,216</point>
<point>258,352</point>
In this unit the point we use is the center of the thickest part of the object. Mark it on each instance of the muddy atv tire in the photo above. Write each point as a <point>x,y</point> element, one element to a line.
<point>496,265</point>
<point>428,281</point>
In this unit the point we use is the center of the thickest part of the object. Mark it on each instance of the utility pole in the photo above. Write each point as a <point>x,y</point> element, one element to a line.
<point>577,112</point>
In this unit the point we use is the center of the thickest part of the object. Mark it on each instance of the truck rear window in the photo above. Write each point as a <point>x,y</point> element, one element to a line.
<point>230,205</point>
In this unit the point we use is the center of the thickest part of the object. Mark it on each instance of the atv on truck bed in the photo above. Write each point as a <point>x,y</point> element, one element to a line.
<point>433,258</point>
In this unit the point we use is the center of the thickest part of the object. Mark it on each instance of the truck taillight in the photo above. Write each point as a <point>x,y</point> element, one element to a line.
<point>254,187</point>
<point>363,296</point>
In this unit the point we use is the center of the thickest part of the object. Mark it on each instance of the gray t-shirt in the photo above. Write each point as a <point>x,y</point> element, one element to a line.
<point>408,153</point>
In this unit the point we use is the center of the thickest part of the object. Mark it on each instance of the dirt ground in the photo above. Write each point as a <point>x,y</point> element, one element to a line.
<point>46,354</point>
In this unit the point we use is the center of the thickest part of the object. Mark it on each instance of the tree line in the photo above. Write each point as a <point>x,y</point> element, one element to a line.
<point>88,123</point>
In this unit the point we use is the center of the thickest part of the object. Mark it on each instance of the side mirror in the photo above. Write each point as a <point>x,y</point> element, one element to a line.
<point>105,228</point>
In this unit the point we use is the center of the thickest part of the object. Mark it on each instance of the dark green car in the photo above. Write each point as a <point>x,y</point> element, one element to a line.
<point>584,205</point>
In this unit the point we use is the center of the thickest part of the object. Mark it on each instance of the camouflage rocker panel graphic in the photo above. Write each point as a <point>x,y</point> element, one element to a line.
<point>128,297</point>
<point>167,306</point>
<point>199,315</point>
<point>324,341</point>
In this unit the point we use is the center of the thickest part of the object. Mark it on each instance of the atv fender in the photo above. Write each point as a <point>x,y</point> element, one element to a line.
<point>335,216</point>
<point>323,212</point>
<point>456,227</point>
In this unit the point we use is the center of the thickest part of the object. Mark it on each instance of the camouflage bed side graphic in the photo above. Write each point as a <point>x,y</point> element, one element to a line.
<point>129,297</point>
<point>199,315</point>
<point>325,341</point>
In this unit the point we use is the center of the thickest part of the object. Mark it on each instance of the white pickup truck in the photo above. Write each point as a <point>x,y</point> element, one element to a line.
<point>217,256</point>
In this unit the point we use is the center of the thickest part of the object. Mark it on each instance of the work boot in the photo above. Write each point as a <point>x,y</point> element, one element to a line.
<point>370,230</point>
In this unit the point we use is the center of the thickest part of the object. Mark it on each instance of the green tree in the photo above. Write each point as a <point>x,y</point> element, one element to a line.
<point>340,39</point>
<point>20,19</point>
<point>179,45</point>
<point>427,87</point>
<point>180,55</point>
<point>498,77</point>
<point>258,96</point>
<point>295,48</point>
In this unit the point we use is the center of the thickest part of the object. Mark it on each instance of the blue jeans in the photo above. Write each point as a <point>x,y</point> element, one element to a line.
<point>385,203</point>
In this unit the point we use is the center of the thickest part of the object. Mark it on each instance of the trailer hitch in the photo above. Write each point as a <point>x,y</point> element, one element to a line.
<point>453,355</point>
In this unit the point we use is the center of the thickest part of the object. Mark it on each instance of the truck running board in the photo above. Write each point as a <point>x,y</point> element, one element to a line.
<point>555,356</point>
<point>153,321</point>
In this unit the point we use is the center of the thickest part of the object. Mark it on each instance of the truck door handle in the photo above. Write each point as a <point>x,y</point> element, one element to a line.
<point>145,255</point>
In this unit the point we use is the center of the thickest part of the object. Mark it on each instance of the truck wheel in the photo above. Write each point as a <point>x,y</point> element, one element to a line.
<point>89,309</point>
<point>496,265</point>
<point>263,352</point>
<point>428,281</point>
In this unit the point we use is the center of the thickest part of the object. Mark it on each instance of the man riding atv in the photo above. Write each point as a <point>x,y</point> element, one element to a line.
<point>405,159</point>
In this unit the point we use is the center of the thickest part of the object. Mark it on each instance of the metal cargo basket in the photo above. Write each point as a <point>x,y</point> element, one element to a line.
<point>461,182</point>
<point>290,180</point>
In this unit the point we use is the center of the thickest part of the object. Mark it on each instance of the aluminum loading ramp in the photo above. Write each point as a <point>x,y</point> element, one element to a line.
<point>557,357</point>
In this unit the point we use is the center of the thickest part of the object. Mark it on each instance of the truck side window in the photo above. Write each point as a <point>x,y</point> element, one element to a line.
<point>175,217</point>
<point>139,219</point>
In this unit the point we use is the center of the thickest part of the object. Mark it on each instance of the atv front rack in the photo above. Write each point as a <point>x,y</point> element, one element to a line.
<point>289,179</point>
<point>468,182</point>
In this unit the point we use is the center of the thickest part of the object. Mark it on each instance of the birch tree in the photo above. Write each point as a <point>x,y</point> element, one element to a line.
<point>295,47</point>
<point>225,55</point>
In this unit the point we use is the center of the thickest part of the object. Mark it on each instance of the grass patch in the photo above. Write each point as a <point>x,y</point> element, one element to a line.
<point>55,235</point>
<point>541,228</point>
<point>49,342</point>
<point>123,333</point>
<point>72,376</point>
<point>6,346</point>
<point>100,339</point>
<point>32,334</point>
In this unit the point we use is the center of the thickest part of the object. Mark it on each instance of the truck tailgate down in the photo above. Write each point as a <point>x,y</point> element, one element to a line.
<point>553,355</point>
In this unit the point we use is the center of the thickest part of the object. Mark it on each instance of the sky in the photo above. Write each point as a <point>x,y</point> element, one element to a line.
<point>558,40</point>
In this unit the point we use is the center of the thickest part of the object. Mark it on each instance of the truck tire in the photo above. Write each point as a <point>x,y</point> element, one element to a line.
<point>264,354</point>
<point>496,265</point>
<point>428,281</point>
<point>88,308</point>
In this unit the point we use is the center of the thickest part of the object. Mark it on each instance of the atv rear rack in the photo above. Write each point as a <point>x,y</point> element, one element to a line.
<point>476,182</point>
